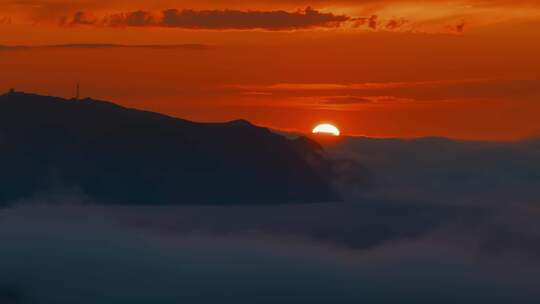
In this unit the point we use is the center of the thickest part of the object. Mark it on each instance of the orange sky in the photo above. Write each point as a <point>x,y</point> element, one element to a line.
<point>462,69</point>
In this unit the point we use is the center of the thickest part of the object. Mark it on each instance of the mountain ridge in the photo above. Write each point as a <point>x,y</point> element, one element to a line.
<point>120,155</point>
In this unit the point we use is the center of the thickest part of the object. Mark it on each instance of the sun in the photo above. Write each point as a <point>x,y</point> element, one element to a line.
<point>326,129</point>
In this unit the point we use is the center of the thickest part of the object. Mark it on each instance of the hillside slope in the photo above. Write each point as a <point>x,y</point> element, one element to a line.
<point>50,146</point>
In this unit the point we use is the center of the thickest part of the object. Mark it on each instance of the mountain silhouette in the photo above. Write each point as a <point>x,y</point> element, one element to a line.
<point>113,154</point>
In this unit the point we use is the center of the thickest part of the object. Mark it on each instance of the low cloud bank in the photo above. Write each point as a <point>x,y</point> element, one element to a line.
<point>426,221</point>
<point>439,170</point>
<point>82,255</point>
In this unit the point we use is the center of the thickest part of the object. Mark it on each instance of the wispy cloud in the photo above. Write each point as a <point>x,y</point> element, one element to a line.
<point>107,46</point>
<point>358,86</point>
<point>346,100</point>
<point>347,95</point>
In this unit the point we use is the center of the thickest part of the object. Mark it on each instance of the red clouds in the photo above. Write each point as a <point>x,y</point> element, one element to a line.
<point>234,19</point>
<point>427,16</point>
<point>219,19</point>
<point>376,23</point>
<point>277,20</point>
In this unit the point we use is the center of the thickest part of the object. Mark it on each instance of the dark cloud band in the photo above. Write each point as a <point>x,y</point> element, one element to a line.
<point>216,19</point>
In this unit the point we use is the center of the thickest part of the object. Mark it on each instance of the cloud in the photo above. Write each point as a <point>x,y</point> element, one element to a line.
<point>13,47</point>
<point>438,169</point>
<point>395,23</point>
<point>358,86</point>
<point>218,19</point>
<point>493,186</point>
<point>300,86</point>
<point>422,91</point>
<point>137,18</point>
<point>346,100</point>
<point>460,27</point>
<point>230,19</point>
<point>395,190</point>
<point>243,254</point>
<point>5,20</point>
<point>427,221</point>
<point>371,22</point>
<point>427,16</point>
<point>187,46</point>
<point>347,103</point>
<point>9,295</point>
<point>83,18</point>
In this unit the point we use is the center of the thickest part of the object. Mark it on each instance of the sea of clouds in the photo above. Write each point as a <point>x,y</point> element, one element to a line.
<point>423,221</point>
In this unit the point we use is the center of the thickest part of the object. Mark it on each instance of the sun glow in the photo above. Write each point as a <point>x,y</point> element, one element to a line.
<point>326,129</point>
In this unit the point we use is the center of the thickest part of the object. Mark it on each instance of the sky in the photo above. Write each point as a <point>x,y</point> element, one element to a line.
<point>464,69</point>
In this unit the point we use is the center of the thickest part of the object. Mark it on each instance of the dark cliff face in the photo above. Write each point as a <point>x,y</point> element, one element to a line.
<point>113,154</point>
